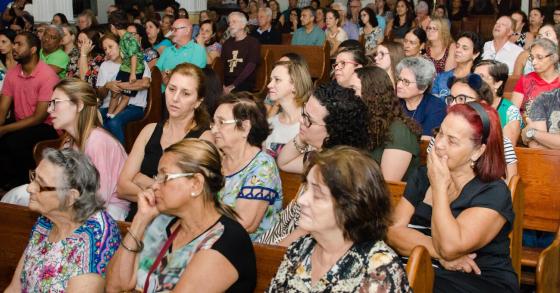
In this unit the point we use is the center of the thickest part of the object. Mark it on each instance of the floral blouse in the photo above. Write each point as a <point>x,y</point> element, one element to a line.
<point>72,70</point>
<point>48,266</point>
<point>366,267</point>
<point>372,39</point>
<point>259,180</point>
<point>93,69</point>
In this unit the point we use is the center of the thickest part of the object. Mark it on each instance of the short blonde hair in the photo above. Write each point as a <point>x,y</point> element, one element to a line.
<point>300,78</point>
<point>443,31</point>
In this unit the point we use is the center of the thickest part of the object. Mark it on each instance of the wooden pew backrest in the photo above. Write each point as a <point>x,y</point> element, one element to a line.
<point>548,268</point>
<point>516,234</point>
<point>396,188</point>
<point>290,186</point>
<point>419,270</point>
<point>269,258</point>
<point>42,145</point>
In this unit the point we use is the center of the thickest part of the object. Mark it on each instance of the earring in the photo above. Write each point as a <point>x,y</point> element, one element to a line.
<point>193,194</point>
<point>472,164</point>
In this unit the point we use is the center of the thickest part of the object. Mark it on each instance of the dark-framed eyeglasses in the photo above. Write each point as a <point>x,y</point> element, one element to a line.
<point>174,29</point>
<point>459,99</point>
<point>33,178</point>
<point>52,104</point>
<point>307,122</point>
<point>538,57</point>
<point>405,81</point>
<point>342,64</point>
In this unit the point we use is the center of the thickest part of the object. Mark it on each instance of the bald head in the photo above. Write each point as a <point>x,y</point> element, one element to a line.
<point>181,31</point>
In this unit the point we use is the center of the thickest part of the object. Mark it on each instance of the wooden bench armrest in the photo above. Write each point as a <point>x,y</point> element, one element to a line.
<point>548,268</point>
<point>419,270</point>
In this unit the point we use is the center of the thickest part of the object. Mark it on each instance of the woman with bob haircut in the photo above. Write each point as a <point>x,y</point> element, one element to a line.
<point>459,208</point>
<point>346,208</point>
<point>290,86</point>
<point>252,181</point>
<point>182,234</point>
<point>440,48</point>
<point>73,239</point>
<point>188,118</point>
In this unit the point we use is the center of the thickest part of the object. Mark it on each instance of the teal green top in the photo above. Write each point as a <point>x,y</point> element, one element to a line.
<point>508,112</point>
<point>57,58</point>
<point>402,139</point>
<point>191,53</point>
<point>315,38</point>
<point>129,47</point>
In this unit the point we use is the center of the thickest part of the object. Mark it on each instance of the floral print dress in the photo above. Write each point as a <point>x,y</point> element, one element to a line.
<point>72,69</point>
<point>48,266</point>
<point>93,69</point>
<point>259,180</point>
<point>366,267</point>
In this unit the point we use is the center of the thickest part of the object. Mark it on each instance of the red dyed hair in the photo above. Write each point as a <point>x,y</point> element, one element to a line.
<point>491,165</point>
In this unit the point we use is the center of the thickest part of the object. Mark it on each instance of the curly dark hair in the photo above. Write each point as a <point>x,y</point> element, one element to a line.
<point>346,122</point>
<point>362,203</point>
<point>383,106</point>
<point>247,107</point>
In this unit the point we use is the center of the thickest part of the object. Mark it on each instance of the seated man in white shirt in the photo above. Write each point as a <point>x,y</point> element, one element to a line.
<point>500,48</point>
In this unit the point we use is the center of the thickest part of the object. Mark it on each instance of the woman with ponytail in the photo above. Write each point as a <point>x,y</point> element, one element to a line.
<point>182,234</point>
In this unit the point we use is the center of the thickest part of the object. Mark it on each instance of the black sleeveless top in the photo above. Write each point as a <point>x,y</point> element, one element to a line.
<point>153,150</point>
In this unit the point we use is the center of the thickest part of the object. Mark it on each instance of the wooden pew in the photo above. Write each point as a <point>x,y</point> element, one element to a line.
<point>486,25</point>
<point>396,188</point>
<point>510,85</point>
<point>317,57</point>
<point>152,112</point>
<point>419,270</point>
<point>40,146</point>
<point>269,258</point>
<point>290,186</point>
<point>287,39</point>
<point>261,70</point>
<point>539,169</point>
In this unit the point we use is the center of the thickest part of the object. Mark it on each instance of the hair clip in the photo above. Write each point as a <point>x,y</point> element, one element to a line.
<point>475,81</point>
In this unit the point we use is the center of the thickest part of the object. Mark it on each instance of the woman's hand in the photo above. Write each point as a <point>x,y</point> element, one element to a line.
<point>438,171</point>
<point>113,86</point>
<point>147,205</point>
<point>86,47</point>
<point>465,264</point>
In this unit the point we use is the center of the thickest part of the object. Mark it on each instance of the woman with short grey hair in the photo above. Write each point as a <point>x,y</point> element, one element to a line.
<point>414,81</point>
<point>74,238</point>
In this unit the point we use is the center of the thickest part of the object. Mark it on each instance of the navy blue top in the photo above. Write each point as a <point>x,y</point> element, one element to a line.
<point>429,113</point>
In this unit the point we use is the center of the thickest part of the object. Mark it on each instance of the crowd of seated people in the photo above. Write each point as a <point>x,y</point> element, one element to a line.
<point>203,183</point>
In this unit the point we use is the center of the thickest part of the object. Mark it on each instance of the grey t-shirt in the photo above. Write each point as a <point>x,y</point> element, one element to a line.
<point>546,107</point>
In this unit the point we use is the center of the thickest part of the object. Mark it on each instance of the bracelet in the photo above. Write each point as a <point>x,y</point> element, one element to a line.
<point>139,243</point>
<point>130,249</point>
<point>301,148</point>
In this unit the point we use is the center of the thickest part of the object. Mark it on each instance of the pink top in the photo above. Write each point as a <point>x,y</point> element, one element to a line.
<point>28,90</point>
<point>108,156</point>
<point>531,86</point>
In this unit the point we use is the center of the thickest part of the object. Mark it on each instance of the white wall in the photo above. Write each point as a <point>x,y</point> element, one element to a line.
<point>44,10</point>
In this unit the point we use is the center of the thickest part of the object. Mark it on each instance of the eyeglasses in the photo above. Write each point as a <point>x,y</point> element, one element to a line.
<point>174,29</point>
<point>220,123</point>
<point>163,178</point>
<point>538,57</point>
<point>459,99</point>
<point>342,64</point>
<point>47,37</point>
<point>52,104</point>
<point>432,28</point>
<point>547,35</point>
<point>405,81</point>
<point>33,177</point>
<point>307,119</point>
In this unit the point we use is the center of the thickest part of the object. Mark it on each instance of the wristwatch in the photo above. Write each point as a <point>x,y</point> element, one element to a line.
<point>530,133</point>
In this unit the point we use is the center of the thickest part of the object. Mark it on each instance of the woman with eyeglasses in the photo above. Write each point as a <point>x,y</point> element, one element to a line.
<point>346,61</point>
<point>459,208</point>
<point>522,64</point>
<point>414,81</point>
<point>546,77</point>
<point>290,86</point>
<point>183,239</point>
<point>252,181</point>
<point>440,48</point>
<point>332,116</point>
<point>73,110</point>
<point>188,118</point>
<point>495,74</point>
<point>74,238</point>
<point>386,56</point>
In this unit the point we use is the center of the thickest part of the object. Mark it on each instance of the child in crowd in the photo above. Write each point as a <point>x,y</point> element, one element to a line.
<point>132,65</point>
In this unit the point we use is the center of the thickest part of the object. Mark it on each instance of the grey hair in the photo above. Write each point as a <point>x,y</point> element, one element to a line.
<point>423,70</point>
<point>71,29</point>
<point>422,6</point>
<point>240,15</point>
<point>78,173</point>
<point>266,10</point>
<point>57,28</point>
<point>549,46</point>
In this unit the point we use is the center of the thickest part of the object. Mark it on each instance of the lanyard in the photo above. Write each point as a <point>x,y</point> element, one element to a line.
<point>160,257</point>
